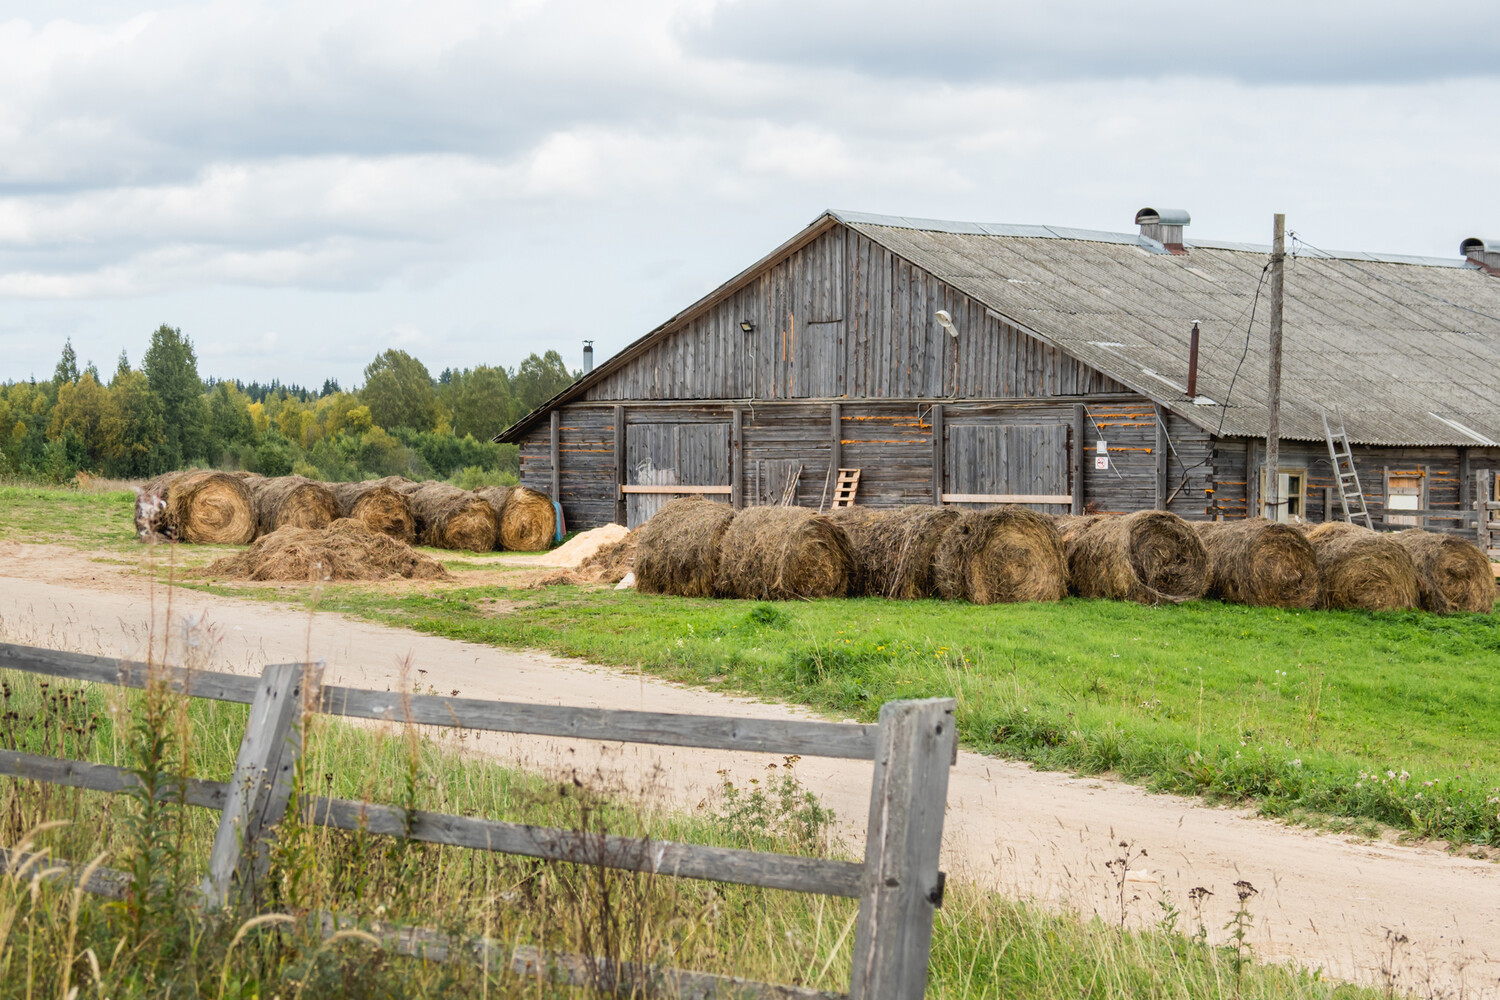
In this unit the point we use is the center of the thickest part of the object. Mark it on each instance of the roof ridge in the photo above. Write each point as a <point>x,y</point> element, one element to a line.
<point>1130,239</point>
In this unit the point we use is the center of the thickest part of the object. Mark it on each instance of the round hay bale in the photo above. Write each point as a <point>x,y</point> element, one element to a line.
<point>893,549</point>
<point>677,551</point>
<point>528,523</point>
<point>1002,555</point>
<point>400,484</point>
<point>1256,561</point>
<point>1362,569</point>
<point>291,501</point>
<point>381,508</point>
<point>1453,574</point>
<point>1150,556</point>
<point>775,553</point>
<point>495,496</point>
<point>210,508</point>
<point>450,518</point>
<point>347,549</point>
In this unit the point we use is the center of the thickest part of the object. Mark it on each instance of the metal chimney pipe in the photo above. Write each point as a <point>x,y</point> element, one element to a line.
<point>1192,386</point>
<point>588,356</point>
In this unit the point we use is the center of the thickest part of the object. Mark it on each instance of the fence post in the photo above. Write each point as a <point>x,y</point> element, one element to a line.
<point>903,886</point>
<point>261,785</point>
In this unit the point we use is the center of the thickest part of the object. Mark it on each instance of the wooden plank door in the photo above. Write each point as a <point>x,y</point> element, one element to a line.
<point>1405,490</point>
<point>1006,458</point>
<point>673,454</point>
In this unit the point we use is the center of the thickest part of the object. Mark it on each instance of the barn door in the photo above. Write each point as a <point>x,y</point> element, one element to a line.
<point>1010,459</point>
<point>673,455</point>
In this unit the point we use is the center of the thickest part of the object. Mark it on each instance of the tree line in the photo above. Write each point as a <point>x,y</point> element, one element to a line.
<point>163,416</point>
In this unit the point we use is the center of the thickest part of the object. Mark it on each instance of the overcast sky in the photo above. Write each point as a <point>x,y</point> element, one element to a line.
<point>300,185</point>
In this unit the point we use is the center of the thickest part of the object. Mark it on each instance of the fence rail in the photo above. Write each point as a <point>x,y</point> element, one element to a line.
<point>899,884</point>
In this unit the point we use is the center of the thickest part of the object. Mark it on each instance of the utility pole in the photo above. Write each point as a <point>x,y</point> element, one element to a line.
<point>1274,499</point>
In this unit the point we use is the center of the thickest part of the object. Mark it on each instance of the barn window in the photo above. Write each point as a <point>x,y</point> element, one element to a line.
<point>1291,487</point>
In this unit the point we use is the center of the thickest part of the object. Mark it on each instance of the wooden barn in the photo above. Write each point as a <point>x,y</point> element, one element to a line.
<point>947,362</point>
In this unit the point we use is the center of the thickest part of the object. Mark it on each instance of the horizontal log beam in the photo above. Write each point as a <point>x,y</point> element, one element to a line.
<point>103,778</point>
<point>711,864</point>
<point>810,739</point>
<point>124,673</point>
<point>1060,498</point>
<point>712,490</point>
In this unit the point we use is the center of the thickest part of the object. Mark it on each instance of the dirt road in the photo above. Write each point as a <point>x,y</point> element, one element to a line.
<point>1326,901</point>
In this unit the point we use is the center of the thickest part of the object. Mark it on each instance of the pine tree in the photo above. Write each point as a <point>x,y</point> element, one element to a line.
<point>171,369</point>
<point>67,365</point>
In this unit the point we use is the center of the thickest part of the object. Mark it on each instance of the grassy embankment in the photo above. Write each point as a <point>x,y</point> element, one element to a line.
<point>158,943</point>
<point>1344,716</point>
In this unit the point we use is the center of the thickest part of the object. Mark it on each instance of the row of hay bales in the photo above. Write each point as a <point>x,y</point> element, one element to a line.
<point>234,508</point>
<point>697,548</point>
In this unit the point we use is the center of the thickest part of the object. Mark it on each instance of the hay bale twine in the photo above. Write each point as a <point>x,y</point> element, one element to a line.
<point>381,508</point>
<point>1002,555</point>
<point>777,553</point>
<point>1257,561</point>
<point>1453,574</point>
<point>347,549</point>
<point>677,550</point>
<point>1363,570</point>
<point>209,508</point>
<point>1150,556</point>
<point>450,518</point>
<point>291,501</point>
<point>893,548</point>
<point>528,523</point>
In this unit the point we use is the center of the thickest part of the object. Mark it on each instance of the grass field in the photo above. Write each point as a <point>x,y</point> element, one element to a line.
<point>1340,717</point>
<point>156,942</point>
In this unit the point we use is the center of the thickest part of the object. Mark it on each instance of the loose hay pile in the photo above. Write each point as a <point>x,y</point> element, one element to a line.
<point>1363,569</point>
<point>1453,574</point>
<point>1001,555</point>
<point>610,563</point>
<point>450,518</point>
<point>572,553</point>
<point>291,502</point>
<point>893,550</point>
<point>678,550</point>
<point>345,550</point>
<point>781,552</point>
<point>528,522</point>
<point>381,509</point>
<point>207,508</point>
<point>1257,561</point>
<point>1150,557</point>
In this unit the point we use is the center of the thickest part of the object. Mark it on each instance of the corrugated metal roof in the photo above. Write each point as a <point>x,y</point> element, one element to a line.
<point>1407,348</point>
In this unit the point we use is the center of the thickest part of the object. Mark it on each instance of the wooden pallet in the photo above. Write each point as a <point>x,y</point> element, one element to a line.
<point>845,488</point>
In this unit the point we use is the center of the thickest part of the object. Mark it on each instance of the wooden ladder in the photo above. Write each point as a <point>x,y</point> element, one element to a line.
<point>845,488</point>
<point>1351,496</point>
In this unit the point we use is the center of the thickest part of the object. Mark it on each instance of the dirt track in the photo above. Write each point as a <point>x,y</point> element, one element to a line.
<point>1326,901</point>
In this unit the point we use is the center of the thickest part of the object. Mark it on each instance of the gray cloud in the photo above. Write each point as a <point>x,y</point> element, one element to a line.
<point>1269,41</point>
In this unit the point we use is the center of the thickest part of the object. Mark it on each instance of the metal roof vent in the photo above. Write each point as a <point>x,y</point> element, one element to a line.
<point>1485,253</point>
<point>1164,225</point>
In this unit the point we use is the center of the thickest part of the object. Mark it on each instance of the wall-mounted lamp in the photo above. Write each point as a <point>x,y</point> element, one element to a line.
<point>946,322</point>
<point>747,326</point>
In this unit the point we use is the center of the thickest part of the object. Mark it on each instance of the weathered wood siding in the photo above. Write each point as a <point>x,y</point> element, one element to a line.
<point>891,443</point>
<point>1441,468</point>
<point>844,317</point>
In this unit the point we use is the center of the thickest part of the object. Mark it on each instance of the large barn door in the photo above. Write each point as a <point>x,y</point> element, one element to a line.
<point>673,455</point>
<point>1007,459</point>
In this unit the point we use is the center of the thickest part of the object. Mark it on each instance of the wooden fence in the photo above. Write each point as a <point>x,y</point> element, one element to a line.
<point>1487,514</point>
<point>899,885</point>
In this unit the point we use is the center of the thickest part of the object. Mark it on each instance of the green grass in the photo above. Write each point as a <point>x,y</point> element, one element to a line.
<point>1343,717</point>
<point>983,946</point>
<point>1303,712</point>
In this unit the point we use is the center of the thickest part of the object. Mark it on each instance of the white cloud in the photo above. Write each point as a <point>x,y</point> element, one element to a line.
<point>346,173</point>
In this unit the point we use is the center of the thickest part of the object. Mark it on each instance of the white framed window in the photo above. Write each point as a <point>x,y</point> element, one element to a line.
<point>1291,489</point>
